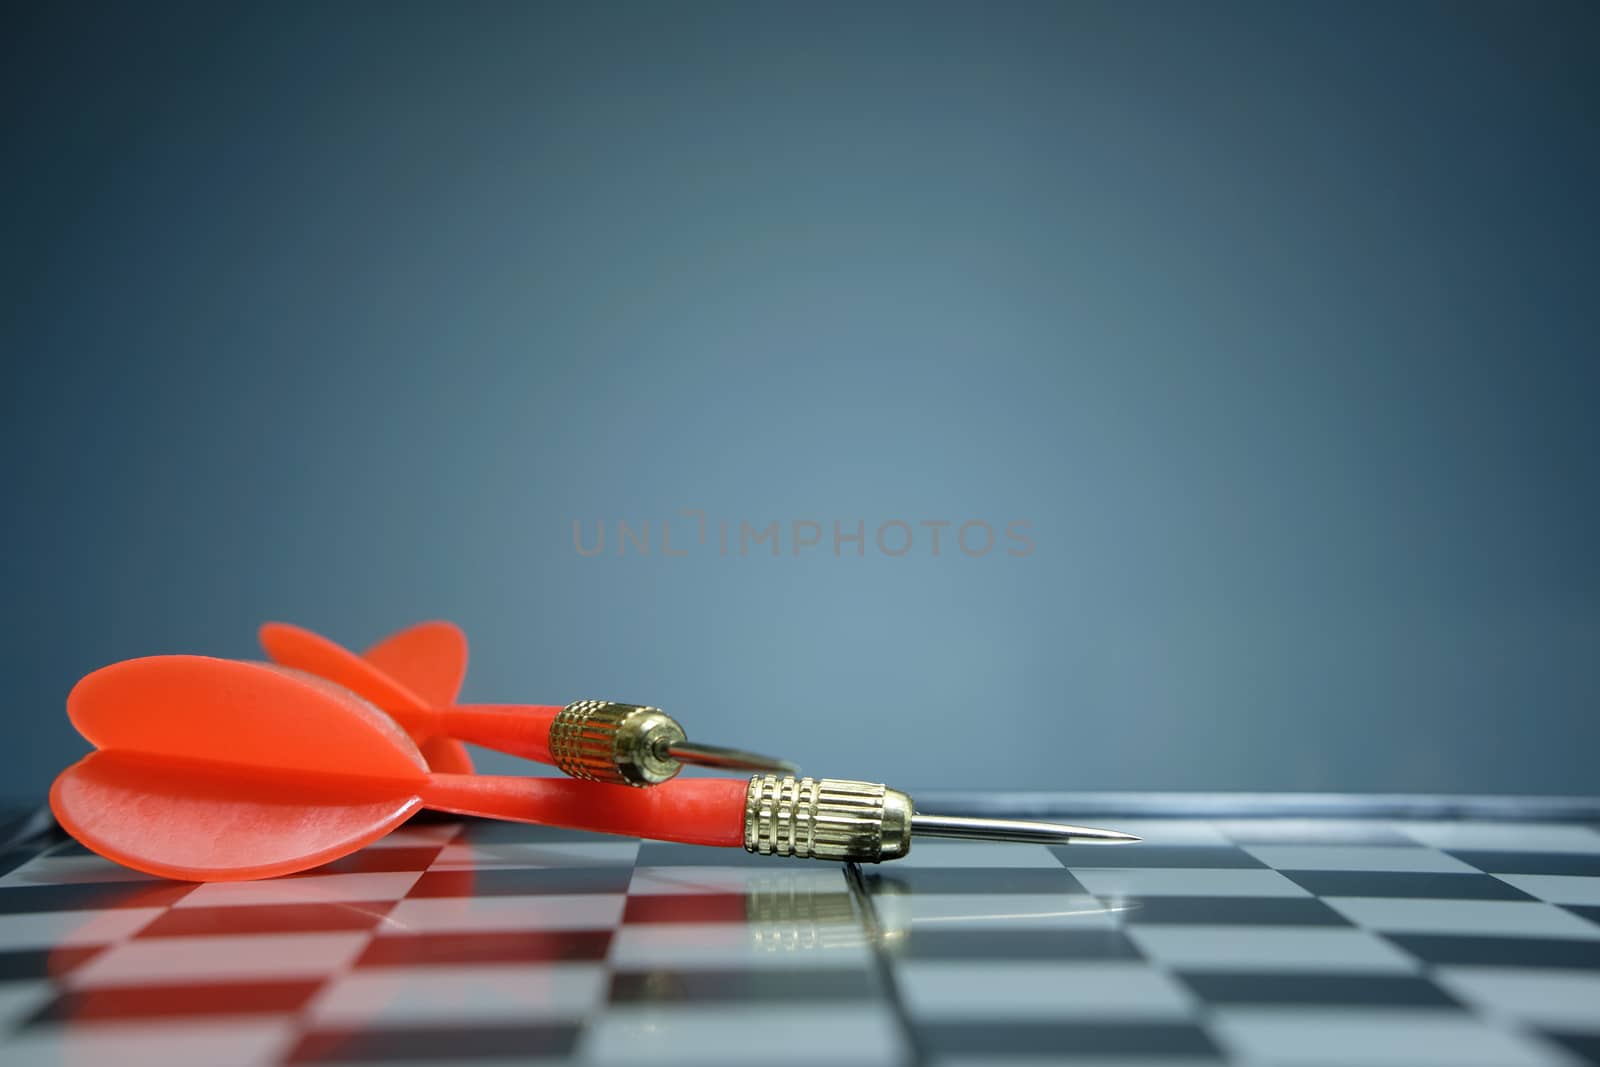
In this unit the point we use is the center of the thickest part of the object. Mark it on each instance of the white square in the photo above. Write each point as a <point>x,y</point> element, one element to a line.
<point>1558,1000</point>
<point>1359,858</point>
<point>1379,1036</point>
<point>52,929</point>
<point>1186,882</point>
<point>1466,918</point>
<point>304,889</point>
<point>995,911</point>
<point>1507,836</point>
<point>714,946</point>
<point>1557,888</point>
<point>503,993</point>
<point>1295,949</point>
<point>1041,990</point>
<point>742,1034</point>
<point>437,915</point>
<point>158,960</point>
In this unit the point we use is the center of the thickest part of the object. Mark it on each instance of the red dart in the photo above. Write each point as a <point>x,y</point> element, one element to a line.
<point>597,740</point>
<point>215,770</point>
<point>430,661</point>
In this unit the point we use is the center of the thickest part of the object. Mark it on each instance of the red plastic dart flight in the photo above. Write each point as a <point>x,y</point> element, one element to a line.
<point>428,661</point>
<point>598,740</point>
<point>215,770</point>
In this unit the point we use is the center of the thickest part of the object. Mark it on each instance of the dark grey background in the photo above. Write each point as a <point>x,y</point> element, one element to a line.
<point>1276,321</point>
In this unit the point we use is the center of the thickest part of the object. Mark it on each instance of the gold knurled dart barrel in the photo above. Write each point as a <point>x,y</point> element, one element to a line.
<point>864,822</point>
<point>634,744</point>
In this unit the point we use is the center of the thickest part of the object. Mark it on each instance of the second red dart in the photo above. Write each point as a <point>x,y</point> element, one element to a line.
<point>596,740</point>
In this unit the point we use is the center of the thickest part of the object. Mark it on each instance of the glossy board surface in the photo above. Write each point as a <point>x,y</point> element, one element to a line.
<point>1304,940</point>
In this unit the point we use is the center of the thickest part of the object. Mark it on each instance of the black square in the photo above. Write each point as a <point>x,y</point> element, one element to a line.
<point>388,859</point>
<point>91,896</point>
<point>177,1003</point>
<point>1406,884</point>
<point>31,964</point>
<point>443,1044</point>
<point>492,831</point>
<point>1313,831</point>
<point>986,880</point>
<point>1065,1039</point>
<point>228,920</point>
<point>693,908</point>
<point>670,854</point>
<point>1100,857</point>
<point>11,859</point>
<point>522,881</point>
<point>1586,1046</point>
<point>1583,864</point>
<point>502,946</point>
<point>26,825</point>
<point>1501,951</point>
<point>1231,911</point>
<point>1333,990</point>
<point>765,985</point>
<point>931,943</point>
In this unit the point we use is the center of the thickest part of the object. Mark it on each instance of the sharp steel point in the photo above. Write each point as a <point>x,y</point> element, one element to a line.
<point>923,825</point>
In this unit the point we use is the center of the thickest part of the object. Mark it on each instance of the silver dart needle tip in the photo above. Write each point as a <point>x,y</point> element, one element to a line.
<point>1027,830</point>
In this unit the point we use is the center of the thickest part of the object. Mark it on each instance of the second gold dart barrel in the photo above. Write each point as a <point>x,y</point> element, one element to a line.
<point>865,822</point>
<point>635,744</point>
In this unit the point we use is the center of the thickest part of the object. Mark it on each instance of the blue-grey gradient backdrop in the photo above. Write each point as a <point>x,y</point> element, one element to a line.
<point>1276,321</point>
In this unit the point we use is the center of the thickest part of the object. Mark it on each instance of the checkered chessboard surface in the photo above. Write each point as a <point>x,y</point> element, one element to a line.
<point>1294,942</point>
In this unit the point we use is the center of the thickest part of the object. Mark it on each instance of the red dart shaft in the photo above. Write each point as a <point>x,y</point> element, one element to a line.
<point>701,811</point>
<point>518,729</point>
<point>515,729</point>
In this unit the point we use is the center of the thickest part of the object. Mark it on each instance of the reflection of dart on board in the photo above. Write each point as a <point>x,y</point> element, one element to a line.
<point>124,920</point>
<point>787,914</point>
